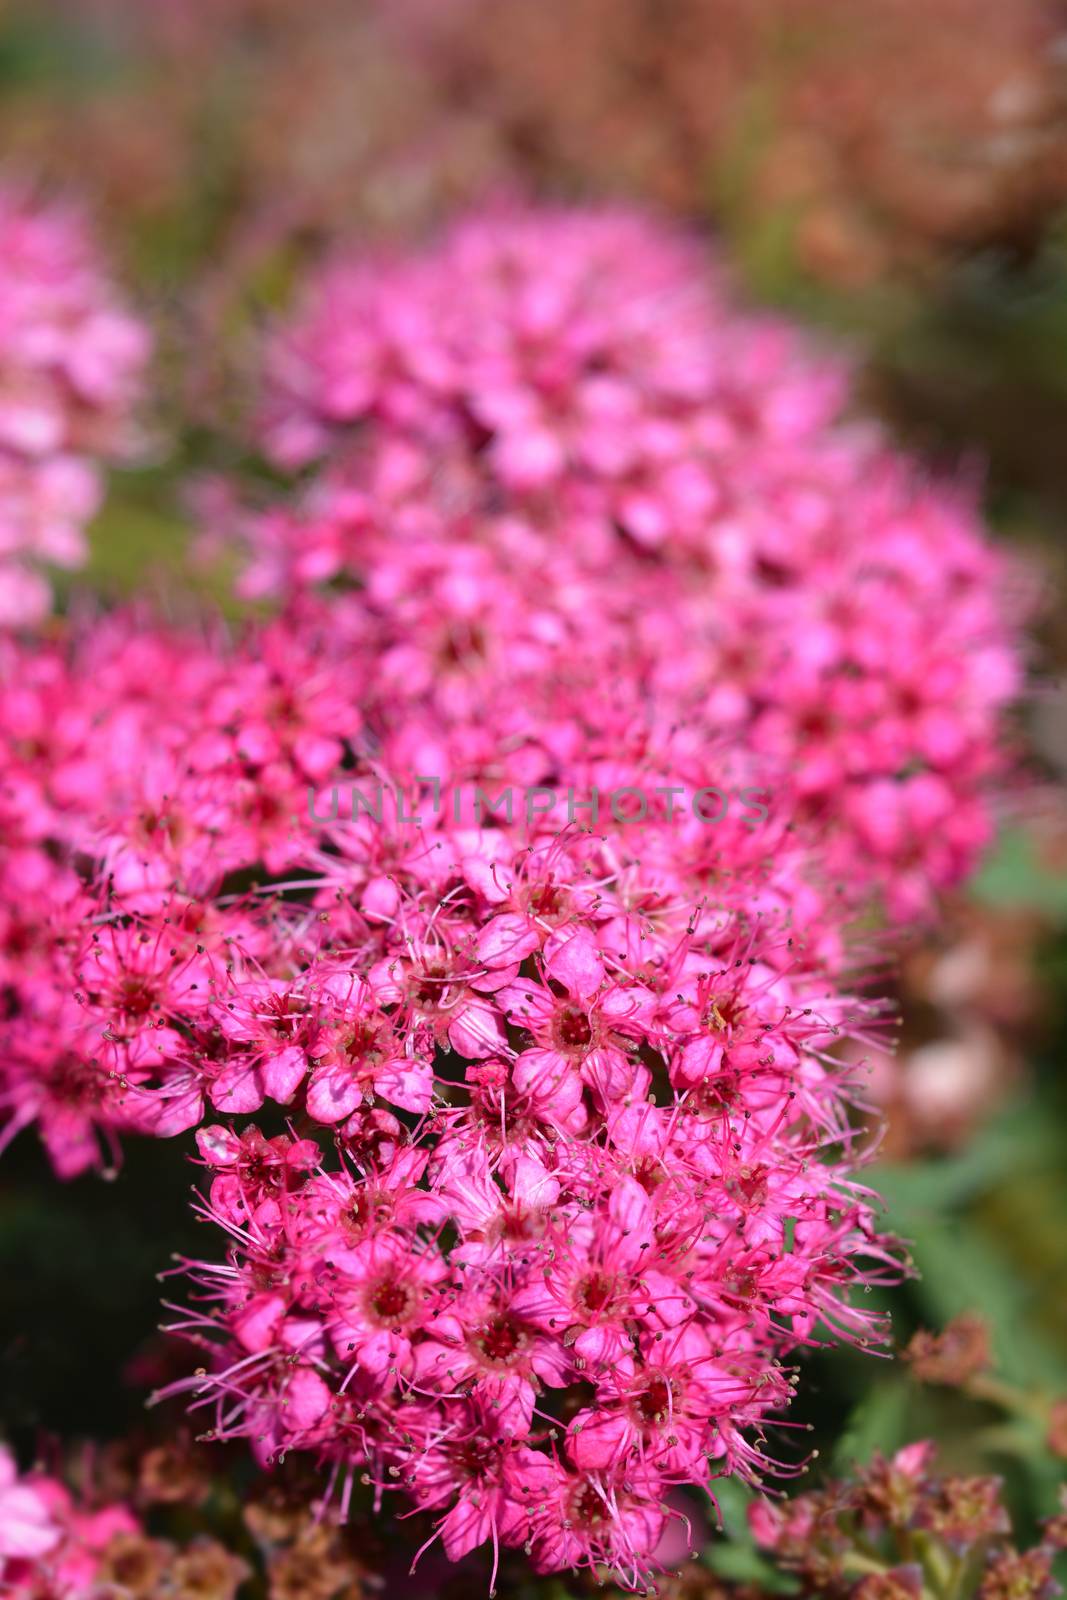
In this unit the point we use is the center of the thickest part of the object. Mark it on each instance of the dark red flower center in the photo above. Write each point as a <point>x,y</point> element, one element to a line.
<point>653,1404</point>
<point>464,642</point>
<point>368,1207</point>
<point>391,1301</point>
<point>75,1081</point>
<point>137,995</point>
<point>752,1184</point>
<point>740,1284</point>
<point>362,1046</point>
<point>723,1012</point>
<point>428,990</point>
<point>501,1341</point>
<point>595,1292</point>
<point>587,1507</point>
<point>574,1031</point>
<point>545,900</point>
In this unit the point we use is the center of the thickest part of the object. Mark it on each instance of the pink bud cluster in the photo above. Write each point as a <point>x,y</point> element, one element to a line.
<point>553,1171</point>
<point>71,358</point>
<point>901,1523</point>
<point>567,408</point>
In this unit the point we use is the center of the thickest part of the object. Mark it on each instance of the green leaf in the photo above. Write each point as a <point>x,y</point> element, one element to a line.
<point>1015,875</point>
<point>879,1422</point>
<point>734,1554</point>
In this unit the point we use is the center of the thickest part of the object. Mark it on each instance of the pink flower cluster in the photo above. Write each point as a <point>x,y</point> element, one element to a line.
<point>71,358</point>
<point>553,1171</point>
<point>144,770</point>
<point>47,1539</point>
<point>594,1177</point>
<point>566,411</point>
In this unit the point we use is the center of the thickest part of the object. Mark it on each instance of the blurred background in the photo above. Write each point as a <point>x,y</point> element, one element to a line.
<point>895,174</point>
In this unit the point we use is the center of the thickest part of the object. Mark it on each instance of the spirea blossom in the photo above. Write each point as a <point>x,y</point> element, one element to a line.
<point>591,1194</point>
<point>567,406</point>
<point>492,916</point>
<point>592,1172</point>
<point>71,358</point>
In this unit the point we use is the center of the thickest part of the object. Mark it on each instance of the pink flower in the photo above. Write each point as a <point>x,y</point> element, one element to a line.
<point>71,360</point>
<point>483,1344</point>
<point>572,1521</point>
<point>48,1539</point>
<point>27,1528</point>
<point>358,1056</point>
<point>656,1414</point>
<point>381,1294</point>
